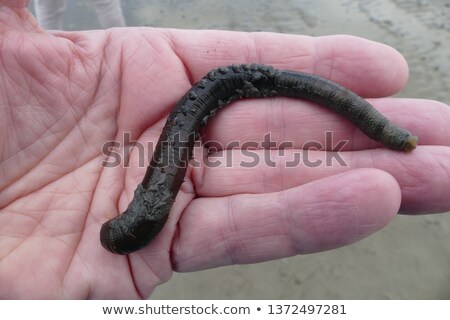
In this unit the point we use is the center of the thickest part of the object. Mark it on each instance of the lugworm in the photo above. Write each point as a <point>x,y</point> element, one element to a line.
<point>149,209</point>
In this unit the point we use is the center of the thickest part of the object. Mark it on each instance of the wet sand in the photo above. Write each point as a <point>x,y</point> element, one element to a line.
<point>410,259</point>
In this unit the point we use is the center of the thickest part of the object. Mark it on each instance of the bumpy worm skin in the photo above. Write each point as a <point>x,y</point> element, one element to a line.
<point>148,211</point>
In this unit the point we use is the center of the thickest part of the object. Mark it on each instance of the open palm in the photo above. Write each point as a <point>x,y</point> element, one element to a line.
<point>64,95</point>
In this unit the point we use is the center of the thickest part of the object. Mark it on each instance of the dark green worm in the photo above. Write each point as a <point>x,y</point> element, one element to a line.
<point>148,211</point>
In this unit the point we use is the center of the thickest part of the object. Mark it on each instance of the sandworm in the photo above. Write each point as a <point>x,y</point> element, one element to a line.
<point>149,209</point>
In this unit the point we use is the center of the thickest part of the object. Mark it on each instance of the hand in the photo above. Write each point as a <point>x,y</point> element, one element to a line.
<point>64,95</point>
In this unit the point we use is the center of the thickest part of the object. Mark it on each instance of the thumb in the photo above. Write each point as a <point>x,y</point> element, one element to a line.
<point>14,3</point>
<point>14,15</point>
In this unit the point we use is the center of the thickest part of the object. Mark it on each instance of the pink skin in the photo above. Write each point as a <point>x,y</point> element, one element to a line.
<point>65,94</point>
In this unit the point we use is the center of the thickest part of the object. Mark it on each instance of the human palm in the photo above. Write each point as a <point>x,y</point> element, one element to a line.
<point>64,95</point>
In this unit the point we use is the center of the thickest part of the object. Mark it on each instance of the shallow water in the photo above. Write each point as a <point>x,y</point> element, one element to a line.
<point>410,259</point>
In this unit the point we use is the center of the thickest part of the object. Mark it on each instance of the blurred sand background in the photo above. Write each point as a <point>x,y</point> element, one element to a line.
<point>410,259</point>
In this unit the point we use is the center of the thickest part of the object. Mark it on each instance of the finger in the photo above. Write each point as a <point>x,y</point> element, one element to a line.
<point>297,123</point>
<point>321,215</point>
<point>368,68</point>
<point>422,174</point>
